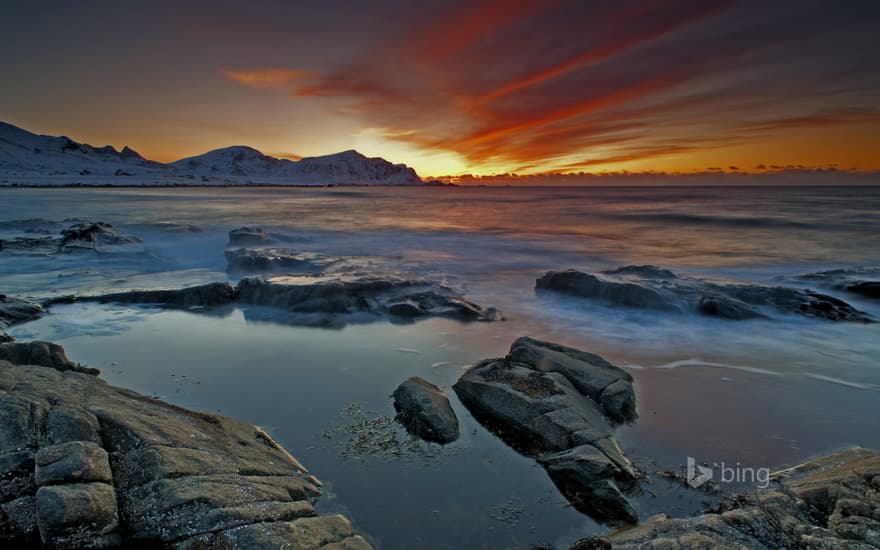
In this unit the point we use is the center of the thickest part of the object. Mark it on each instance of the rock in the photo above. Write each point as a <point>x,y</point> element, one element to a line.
<point>405,299</point>
<point>560,405</point>
<point>424,410</point>
<point>35,246</point>
<point>255,260</point>
<point>73,461</point>
<point>87,465</point>
<point>247,235</point>
<point>99,237</point>
<point>45,354</point>
<point>825,503</point>
<point>864,281</point>
<point>207,295</point>
<point>78,515</point>
<point>17,310</point>
<point>328,301</point>
<point>652,288</point>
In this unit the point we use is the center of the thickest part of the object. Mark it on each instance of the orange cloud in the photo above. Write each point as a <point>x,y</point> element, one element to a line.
<point>267,77</point>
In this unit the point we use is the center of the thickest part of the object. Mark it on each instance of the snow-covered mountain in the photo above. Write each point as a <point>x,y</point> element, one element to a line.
<point>22,152</point>
<point>29,158</point>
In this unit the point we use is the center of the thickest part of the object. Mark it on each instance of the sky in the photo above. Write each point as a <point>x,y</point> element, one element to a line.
<point>458,87</point>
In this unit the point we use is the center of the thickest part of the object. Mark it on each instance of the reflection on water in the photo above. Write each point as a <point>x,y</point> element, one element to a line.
<point>761,392</point>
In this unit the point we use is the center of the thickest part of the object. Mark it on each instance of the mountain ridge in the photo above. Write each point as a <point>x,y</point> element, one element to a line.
<point>33,159</point>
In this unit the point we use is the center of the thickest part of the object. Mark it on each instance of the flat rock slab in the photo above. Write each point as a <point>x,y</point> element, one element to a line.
<point>560,405</point>
<point>80,236</point>
<point>652,288</point>
<point>424,410</point>
<point>832,502</point>
<point>87,465</point>
<point>259,260</point>
<point>862,281</point>
<point>320,300</point>
<point>16,310</point>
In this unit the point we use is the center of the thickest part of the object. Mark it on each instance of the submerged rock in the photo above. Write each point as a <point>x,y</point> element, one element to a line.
<point>98,237</point>
<point>864,281</point>
<point>87,465</point>
<point>247,235</point>
<point>831,502</point>
<point>255,260</point>
<point>560,405</point>
<point>424,410</point>
<point>652,288</point>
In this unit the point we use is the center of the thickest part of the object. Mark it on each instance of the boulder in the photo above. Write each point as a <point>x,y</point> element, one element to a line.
<point>830,502</point>
<point>560,405</point>
<point>87,465</point>
<point>653,288</point>
<point>45,354</point>
<point>424,410</point>
<point>97,237</point>
<point>247,235</point>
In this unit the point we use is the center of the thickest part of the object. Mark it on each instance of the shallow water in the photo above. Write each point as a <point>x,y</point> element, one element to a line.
<point>764,393</point>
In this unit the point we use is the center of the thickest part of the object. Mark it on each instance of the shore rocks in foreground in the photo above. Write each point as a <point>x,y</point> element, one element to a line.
<point>87,465</point>
<point>560,405</point>
<point>831,502</point>
<point>653,288</point>
<point>424,410</point>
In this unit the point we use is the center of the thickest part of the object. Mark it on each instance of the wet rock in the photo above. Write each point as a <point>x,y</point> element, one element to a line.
<point>407,299</point>
<point>16,310</point>
<point>98,237</point>
<point>247,235</point>
<point>207,295</point>
<point>36,246</point>
<point>863,281</point>
<point>560,405</point>
<point>45,354</point>
<point>652,288</point>
<point>255,260</point>
<point>87,465</point>
<point>825,503</point>
<point>424,410</point>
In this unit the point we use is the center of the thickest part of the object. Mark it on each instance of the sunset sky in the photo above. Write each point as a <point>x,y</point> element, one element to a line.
<point>479,86</point>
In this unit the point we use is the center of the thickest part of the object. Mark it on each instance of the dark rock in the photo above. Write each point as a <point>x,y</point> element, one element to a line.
<point>86,465</point>
<point>78,515</point>
<point>17,310</point>
<point>869,289</point>
<point>98,237</point>
<point>424,410</point>
<point>45,354</point>
<point>248,235</point>
<point>586,285</point>
<point>590,543</point>
<point>826,503</point>
<point>406,298</point>
<point>560,405</point>
<point>652,288</point>
<point>864,281</point>
<point>207,295</point>
<point>255,260</point>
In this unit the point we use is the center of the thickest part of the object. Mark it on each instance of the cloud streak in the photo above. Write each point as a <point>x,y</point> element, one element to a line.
<point>566,85</point>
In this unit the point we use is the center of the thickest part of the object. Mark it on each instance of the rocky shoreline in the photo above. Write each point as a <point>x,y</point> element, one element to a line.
<point>87,465</point>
